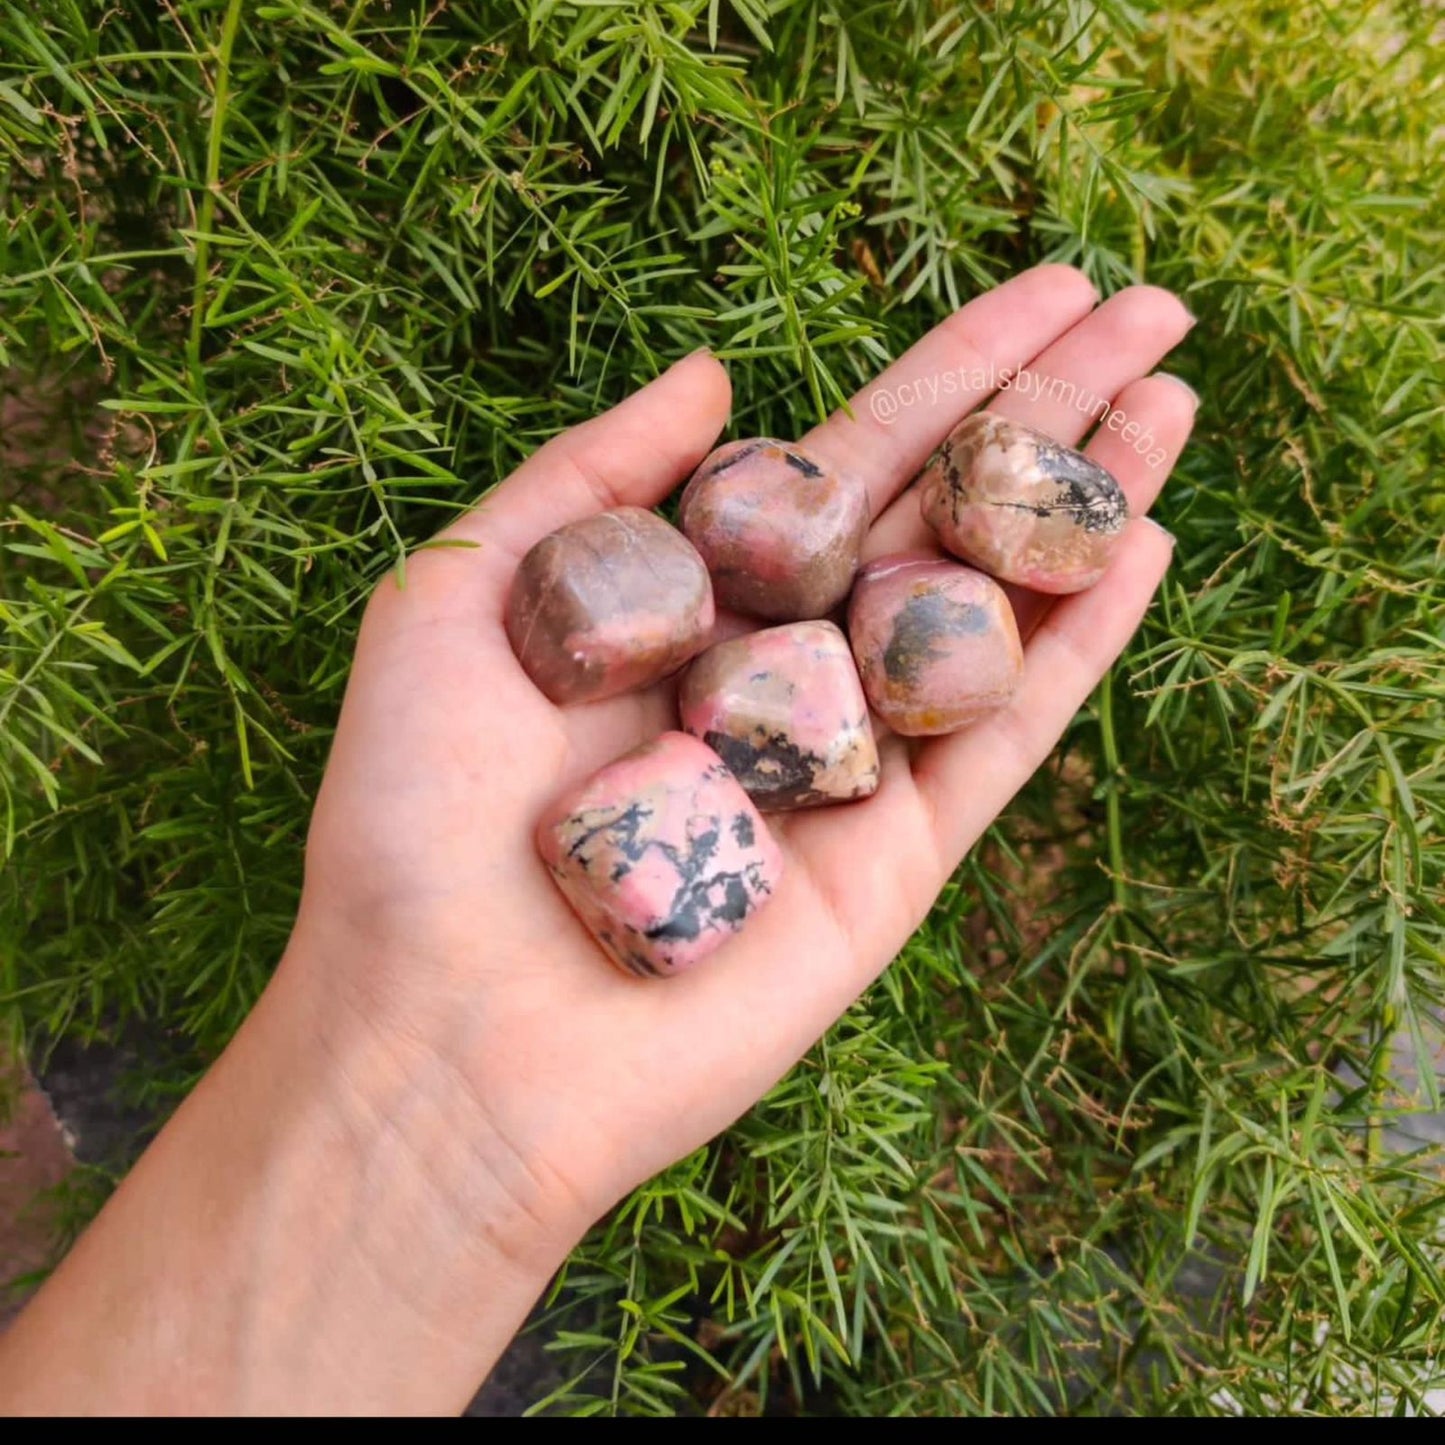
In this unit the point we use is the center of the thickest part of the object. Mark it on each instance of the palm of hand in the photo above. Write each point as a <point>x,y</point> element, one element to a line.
<point>422,875</point>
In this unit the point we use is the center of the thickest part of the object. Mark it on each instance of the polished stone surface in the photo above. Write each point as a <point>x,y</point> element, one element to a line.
<point>607,605</point>
<point>936,643</point>
<point>1025,509</point>
<point>779,531</point>
<point>785,710</point>
<point>662,855</point>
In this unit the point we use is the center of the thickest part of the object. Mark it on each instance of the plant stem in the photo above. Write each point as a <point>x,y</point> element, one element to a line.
<point>1113,820</point>
<point>207,217</point>
<point>1381,1076</point>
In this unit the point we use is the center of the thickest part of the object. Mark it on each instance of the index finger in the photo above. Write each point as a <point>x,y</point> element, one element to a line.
<point>903,414</point>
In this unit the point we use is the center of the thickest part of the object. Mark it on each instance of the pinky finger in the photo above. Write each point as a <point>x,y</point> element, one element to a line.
<point>1143,434</point>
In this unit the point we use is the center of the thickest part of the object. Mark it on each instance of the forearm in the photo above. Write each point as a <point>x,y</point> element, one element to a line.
<point>325,1225</point>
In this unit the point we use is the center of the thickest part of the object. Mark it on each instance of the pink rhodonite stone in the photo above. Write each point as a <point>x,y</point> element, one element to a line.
<point>936,643</point>
<point>784,709</point>
<point>608,604</point>
<point>1015,502</point>
<point>662,855</point>
<point>779,531</point>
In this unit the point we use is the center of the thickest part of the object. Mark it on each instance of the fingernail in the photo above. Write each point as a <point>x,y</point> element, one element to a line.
<point>1163,531</point>
<point>1179,382</point>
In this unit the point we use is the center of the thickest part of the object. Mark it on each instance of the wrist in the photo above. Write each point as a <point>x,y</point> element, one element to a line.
<point>430,1158</point>
<point>330,1222</point>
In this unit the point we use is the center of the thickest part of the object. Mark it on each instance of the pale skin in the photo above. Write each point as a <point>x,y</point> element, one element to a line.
<point>445,1083</point>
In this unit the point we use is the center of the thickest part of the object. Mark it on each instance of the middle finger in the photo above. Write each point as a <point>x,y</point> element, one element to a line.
<point>1092,364</point>
<point>900,416</point>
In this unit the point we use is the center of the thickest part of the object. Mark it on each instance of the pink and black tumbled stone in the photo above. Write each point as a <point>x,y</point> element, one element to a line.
<point>936,643</point>
<point>662,855</point>
<point>607,605</point>
<point>785,710</point>
<point>1024,508</point>
<point>779,531</point>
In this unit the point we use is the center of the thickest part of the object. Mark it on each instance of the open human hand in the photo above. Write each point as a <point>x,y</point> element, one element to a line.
<point>446,1082</point>
<point>426,906</point>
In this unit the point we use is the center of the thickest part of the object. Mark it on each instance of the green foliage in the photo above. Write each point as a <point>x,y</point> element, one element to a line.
<point>294,281</point>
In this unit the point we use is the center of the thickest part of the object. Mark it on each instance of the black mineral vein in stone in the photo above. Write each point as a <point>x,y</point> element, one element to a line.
<point>776,769</point>
<point>1087,492</point>
<point>706,900</point>
<point>742,454</point>
<point>920,622</point>
<point>621,830</point>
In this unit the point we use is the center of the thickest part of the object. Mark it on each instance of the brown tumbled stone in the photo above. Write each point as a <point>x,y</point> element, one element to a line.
<point>779,531</point>
<point>607,605</point>
<point>936,643</point>
<point>784,709</point>
<point>1018,504</point>
<point>661,855</point>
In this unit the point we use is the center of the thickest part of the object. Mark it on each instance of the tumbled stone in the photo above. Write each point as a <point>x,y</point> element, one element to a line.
<point>607,605</point>
<point>1016,503</point>
<point>784,709</point>
<point>662,855</point>
<point>936,643</point>
<point>778,530</point>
